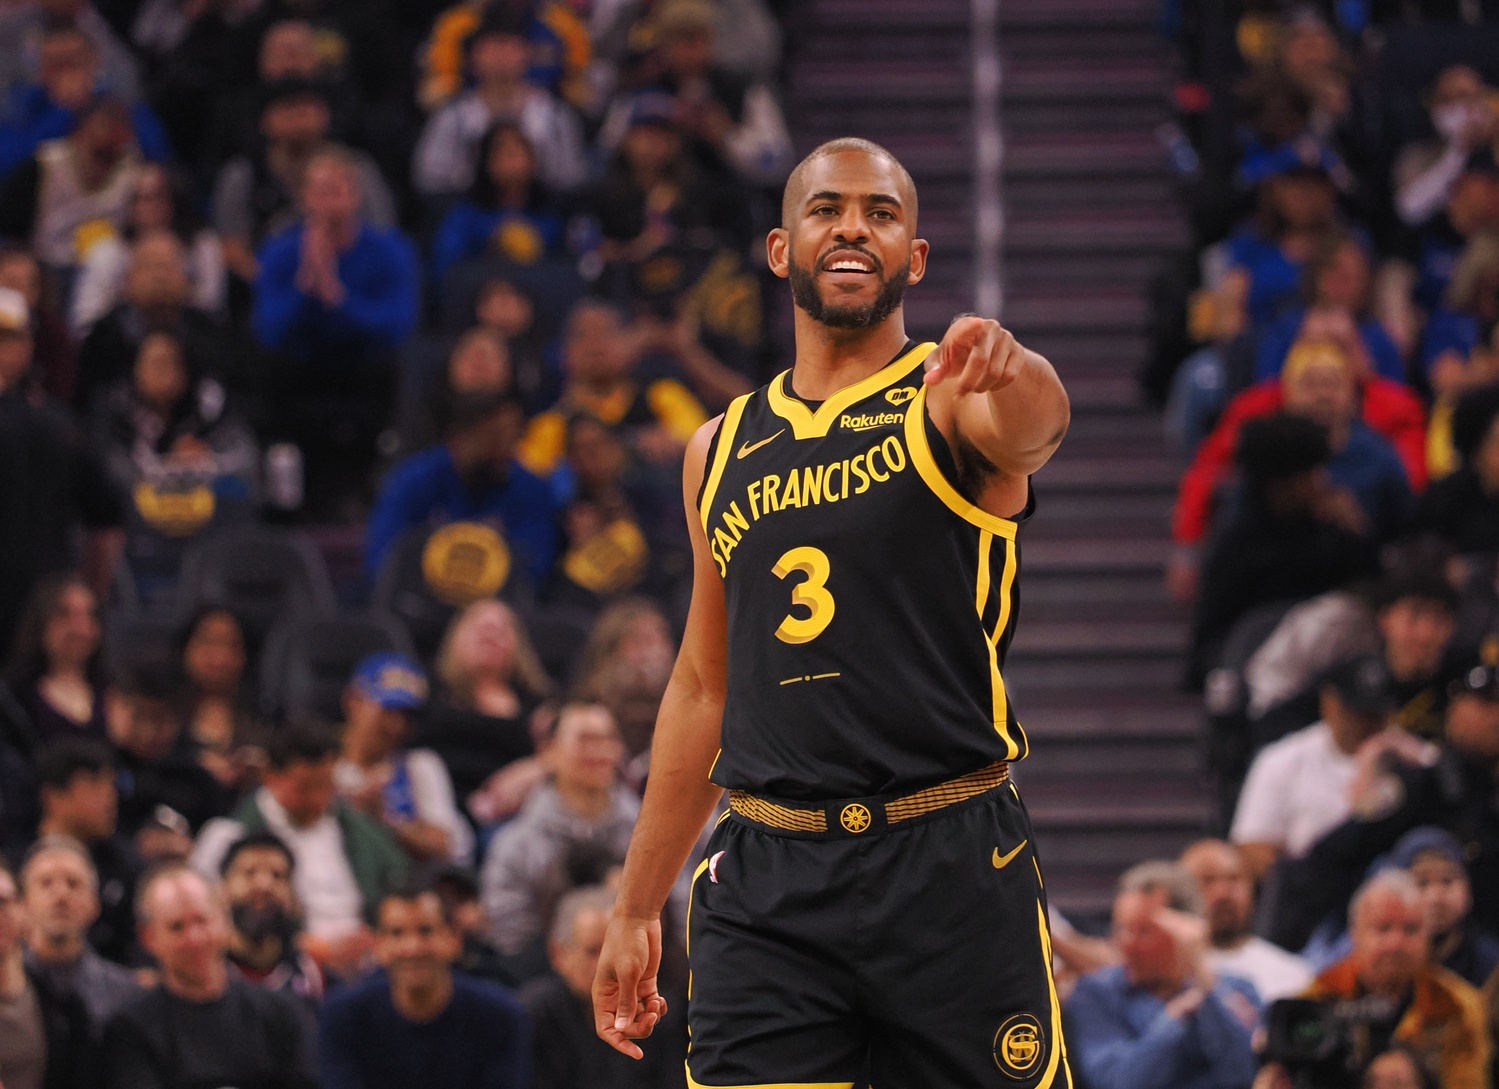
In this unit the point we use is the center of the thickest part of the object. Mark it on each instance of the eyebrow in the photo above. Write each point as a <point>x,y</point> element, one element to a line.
<point>872,198</point>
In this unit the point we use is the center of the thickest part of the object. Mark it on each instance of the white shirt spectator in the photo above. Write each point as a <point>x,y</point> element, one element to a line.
<point>431,793</point>
<point>1274,972</point>
<point>101,279</point>
<point>1296,792</point>
<point>445,156</point>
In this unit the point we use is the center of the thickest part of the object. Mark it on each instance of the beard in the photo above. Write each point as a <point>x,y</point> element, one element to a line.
<point>258,922</point>
<point>805,295</point>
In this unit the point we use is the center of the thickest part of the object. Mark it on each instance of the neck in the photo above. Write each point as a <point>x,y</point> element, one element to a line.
<point>12,973</point>
<point>58,949</point>
<point>67,671</point>
<point>829,359</point>
<point>425,1001</point>
<point>1347,738</point>
<point>364,751</point>
<point>53,825</point>
<point>589,802</point>
<point>206,989</point>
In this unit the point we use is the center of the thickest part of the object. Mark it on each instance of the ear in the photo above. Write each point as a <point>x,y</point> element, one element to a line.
<point>920,247</point>
<point>778,252</point>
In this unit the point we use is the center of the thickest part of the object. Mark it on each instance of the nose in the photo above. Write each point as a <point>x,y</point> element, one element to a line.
<point>852,226</point>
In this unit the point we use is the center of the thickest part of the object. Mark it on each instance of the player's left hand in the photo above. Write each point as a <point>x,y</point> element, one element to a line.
<point>978,355</point>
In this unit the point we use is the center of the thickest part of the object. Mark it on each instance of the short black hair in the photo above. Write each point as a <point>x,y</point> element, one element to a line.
<point>301,743</point>
<point>1273,448</point>
<point>251,841</point>
<point>60,761</point>
<point>415,888</point>
<point>794,193</point>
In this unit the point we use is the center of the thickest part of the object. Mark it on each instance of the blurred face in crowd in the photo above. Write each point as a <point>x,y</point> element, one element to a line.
<point>100,141</point>
<point>61,896</point>
<point>648,645</point>
<point>1416,631</point>
<point>651,147</point>
<point>593,351</point>
<point>597,455</point>
<point>158,272</point>
<point>72,633</point>
<point>1446,895</point>
<point>1325,391</point>
<point>586,749</point>
<point>12,918</point>
<point>485,641</point>
<point>68,67</point>
<point>1305,200</point>
<point>1350,728</point>
<point>1308,51</point>
<point>304,790</point>
<point>288,51</point>
<point>505,309</point>
<point>142,725</point>
<point>1227,891</point>
<point>87,808</point>
<point>151,209</point>
<point>1473,205</point>
<point>577,959</point>
<point>160,374</point>
<point>511,163</point>
<point>20,272</point>
<point>214,657</point>
<point>1389,942</point>
<point>479,364</point>
<point>15,357</point>
<point>296,125</point>
<point>1473,726</point>
<point>187,930</point>
<point>415,944</point>
<point>1148,952</point>
<point>499,58</point>
<point>330,191</point>
<point>1344,281</point>
<point>1392,1070</point>
<point>262,904</point>
<point>374,730</point>
<point>688,52</point>
<point>1457,97</point>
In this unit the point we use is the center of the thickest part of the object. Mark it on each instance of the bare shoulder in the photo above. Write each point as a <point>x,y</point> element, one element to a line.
<point>695,461</point>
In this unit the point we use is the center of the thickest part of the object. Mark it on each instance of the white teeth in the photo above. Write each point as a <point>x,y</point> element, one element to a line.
<point>848,266</point>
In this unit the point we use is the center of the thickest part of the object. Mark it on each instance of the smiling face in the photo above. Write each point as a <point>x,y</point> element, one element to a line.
<point>848,242</point>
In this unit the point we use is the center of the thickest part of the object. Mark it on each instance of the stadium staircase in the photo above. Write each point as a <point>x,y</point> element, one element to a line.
<point>1116,774</point>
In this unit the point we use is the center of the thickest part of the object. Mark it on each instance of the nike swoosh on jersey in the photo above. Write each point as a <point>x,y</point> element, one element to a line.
<point>1001,861</point>
<point>750,447</point>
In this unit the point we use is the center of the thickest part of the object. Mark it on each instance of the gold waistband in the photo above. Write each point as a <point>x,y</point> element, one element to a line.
<point>798,818</point>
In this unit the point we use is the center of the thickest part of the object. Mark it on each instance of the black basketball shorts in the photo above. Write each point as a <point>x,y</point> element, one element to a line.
<point>911,956</point>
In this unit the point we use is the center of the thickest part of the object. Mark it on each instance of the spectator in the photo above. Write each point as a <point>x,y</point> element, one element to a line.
<point>625,666</point>
<point>1426,171</point>
<point>202,1024</point>
<point>160,203</point>
<point>163,787</point>
<point>1471,210</point>
<point>56,667</point>
<point>1227,889</point>
<point>490,683</point>
<point>88,176</point>
<point>1430,1010</point>
<point>579,821</point>
<point>479,364</point>
<point>1462,509</point>
<point>567,1052</point>
<point>1434,858</point>
<point>498,56</point>
<point>1162,1018</point>
<point>507,310</point>
<point>25,29</point>
<point>167,428</point>
<point>406,789</point>
<point>1456,346</point>
<point>599,357</point>
<point>335,298</point>
<point>508,213</point>
<point>219,720</point>
<point>1292,536</point>
<point>344,861</point>
<point>52,486</point>
<point>266,920</point>
<point>733,126</point>
<point>418,1022</point>
<point>60,894</point>
<point>1398,1068</point>
<point>474,477</point>
<point>157,298</point>
<point>46,1040</point>
<point>1298,787</point>
<point>80,804</point>
<point>55,362</point>
<point>256,195</point>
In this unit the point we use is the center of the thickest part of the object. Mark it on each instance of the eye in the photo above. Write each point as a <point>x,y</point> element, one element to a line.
<point>882,213</point>
<point>824,208</point>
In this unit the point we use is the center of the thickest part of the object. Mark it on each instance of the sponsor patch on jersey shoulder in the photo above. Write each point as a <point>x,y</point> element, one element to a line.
<point>900,394</point>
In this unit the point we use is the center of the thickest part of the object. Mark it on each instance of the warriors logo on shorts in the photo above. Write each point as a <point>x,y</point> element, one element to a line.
<point>1019,1046</point>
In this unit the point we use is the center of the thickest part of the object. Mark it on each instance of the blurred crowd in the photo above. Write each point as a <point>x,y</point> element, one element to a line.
<point>348,353</point>
<point>1328,359</point>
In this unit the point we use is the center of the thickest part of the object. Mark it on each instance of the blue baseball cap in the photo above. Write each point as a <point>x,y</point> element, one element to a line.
<point>1303,155</point>
<point>392,680</point>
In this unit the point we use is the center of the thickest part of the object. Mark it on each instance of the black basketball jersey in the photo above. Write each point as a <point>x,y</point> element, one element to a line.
<point>870,604</point>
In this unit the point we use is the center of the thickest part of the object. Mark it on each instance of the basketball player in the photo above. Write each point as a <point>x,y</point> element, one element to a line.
<point>870,906</point>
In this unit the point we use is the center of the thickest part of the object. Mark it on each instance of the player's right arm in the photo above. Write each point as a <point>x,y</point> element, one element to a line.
<point>679,797</point>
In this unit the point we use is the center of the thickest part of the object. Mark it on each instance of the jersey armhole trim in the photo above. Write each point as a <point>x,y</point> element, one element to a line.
<point>723,444</point>
<point>932,475</point>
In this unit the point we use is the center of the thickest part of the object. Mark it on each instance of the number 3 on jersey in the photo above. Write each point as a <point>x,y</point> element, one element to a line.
<point>812,593</point>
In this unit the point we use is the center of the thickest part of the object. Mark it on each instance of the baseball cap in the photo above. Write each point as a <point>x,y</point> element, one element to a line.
<point>392,680</point>
<point>15,315</point>
<point>1427,840</point>
<point>1480,680</point>
<point>1363,684</point>
<point>1303,155</point>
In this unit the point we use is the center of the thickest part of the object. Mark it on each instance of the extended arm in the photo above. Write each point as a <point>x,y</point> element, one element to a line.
<point>679,797</point>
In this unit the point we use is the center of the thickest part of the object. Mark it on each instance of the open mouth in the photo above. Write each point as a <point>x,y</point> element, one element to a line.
<point>848,263</point>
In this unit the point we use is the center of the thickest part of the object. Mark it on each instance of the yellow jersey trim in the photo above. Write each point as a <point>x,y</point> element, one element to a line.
<point>693,1084</point>
<point>806,424</point>
<point>931,473</point>
<point>687,923</point>
<point>1001,694</point>
<point>1058,1056</point>
<point>731,417</point>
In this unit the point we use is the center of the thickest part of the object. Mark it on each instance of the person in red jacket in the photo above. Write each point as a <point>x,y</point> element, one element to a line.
<point>1305,387</point>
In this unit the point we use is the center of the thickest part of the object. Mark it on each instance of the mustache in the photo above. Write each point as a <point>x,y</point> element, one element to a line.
<point>847,248</point>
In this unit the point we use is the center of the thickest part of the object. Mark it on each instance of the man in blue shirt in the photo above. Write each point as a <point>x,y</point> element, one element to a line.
<point>471,477</point>
<point>1161,1019</point>
<point>418,1023</point>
